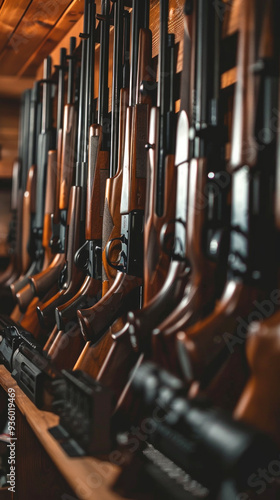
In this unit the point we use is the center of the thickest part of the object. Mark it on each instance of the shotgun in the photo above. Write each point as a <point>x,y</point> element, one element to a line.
<point>190,448</point>
<point>88,257</point>
<point>45,280</point>
<point>175,281</point>
<point>72,338</point>
<point>46,141</point>
<point>26,294</point>
<point>205,347</point>
<point>121,353</point>
<point>209,185</point>
<point>71,277</point>
<point>259,403</point>
<point>125,288</point>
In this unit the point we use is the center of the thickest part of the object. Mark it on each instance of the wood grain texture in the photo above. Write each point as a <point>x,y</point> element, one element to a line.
<point>11,14</point>
<point>30,31</point>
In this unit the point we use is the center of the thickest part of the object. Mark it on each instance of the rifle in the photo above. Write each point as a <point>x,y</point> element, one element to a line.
<point>128,277</point>
<point>45,142</point>
<point>51,212</point>
<point>19,179</point>
<point>178,272</point>
<point>121,352</point>
<point>188,448</point>
<point>208,212</point>
<point>259,403</point>
<point>88,257</point>
<point>95,322</point>
<point>203,348</point>
<point>72,338</point>
<point>42,282</point>
<point>71,276</point>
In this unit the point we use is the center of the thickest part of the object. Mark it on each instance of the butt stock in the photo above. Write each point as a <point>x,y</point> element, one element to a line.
<point>70,342</point>
<point>94,322</point>
<point>72,274</point>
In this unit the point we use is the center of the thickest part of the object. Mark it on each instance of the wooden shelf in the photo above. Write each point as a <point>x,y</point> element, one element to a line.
<point>88,477</point>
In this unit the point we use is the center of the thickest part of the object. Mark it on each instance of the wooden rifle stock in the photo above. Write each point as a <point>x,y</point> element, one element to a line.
<point>98,169</point>
<point>50,339</point>
<point>88,294</point>
<point>27,209</point>
<point>119,298</point>
<point>29,320</point>
<point>65,348</point>
<point>94,354</point>
<point>140,127</point>
<point>200,295</point>
<point>259,403</point>
<point>41,282</point>
<point>28,292</point>
<point>46,312</point>
<point>95,321</point>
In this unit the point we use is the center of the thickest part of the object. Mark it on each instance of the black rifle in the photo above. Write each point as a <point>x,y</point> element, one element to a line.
<point>71,277</point>
<point>51,211</point>
<point>190,447</point>
<point>46,142</point>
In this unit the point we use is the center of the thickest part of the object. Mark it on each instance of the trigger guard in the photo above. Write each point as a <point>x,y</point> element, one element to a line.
<point>107,250</point>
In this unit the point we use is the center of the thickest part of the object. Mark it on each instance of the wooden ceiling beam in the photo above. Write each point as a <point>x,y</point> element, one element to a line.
<point>35,27</point>
<point>68,22</point>
<point>11,15</point>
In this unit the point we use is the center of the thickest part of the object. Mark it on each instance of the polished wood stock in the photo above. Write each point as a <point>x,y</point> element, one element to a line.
<point>50,271</point>
<point>259,404</point>
<point>74,278</point>
<point>201,344</point>
<point>200,295</point>
<point>66,348</point>
<point>88,295</point>
<point>67,155</point>
<point>96,320</point>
